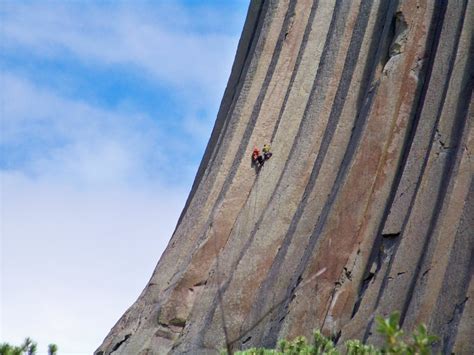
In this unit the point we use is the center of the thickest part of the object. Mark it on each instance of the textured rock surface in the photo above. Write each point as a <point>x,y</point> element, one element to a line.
<point>367,205</point>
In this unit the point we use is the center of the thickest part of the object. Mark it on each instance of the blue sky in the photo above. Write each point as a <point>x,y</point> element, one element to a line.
<point>106,108</point>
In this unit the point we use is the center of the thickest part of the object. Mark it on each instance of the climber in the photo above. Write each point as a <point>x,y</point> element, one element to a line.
<point>266,152</point>
<point>257,157</point>
<point>255,154</point>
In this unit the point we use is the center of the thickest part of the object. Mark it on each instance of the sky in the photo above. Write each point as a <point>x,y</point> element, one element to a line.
<point>105,111</point>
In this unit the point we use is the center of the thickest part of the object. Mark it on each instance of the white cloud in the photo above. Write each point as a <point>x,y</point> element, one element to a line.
<point>79,257</point>
<point>126,35</point>
<point>77,141</point>
<point>83,221</point>
<point>197,127</point>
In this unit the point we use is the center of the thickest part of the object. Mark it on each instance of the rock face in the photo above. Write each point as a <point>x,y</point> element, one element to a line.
<point>366,206</point>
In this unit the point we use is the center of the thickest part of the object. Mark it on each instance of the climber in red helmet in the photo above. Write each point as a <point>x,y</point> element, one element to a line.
<point>257,157</point>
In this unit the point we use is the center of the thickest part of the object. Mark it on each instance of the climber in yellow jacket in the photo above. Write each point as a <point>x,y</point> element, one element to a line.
<point>266,152</point>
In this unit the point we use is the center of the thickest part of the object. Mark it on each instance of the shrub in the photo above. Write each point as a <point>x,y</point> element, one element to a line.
<point>419,344</point>
<point>29,347</point>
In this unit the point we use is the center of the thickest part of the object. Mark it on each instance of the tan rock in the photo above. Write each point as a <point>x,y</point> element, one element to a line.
<point>366,206</point>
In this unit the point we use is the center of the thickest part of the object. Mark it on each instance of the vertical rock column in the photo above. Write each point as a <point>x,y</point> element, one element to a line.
<point>366,206</point>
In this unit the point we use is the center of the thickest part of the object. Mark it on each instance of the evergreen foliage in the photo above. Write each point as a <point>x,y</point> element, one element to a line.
<point>29,347</point>
<point>420,343</point>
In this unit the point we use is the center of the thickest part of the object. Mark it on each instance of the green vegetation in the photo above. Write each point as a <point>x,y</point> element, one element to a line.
<point>419,344</point>
<point>29,347</point>
<point>52,349</point>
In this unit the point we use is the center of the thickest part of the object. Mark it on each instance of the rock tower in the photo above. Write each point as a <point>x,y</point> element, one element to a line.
<point>366,206</point>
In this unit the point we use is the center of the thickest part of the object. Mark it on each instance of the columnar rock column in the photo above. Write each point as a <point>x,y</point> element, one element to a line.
<point>366,206</point>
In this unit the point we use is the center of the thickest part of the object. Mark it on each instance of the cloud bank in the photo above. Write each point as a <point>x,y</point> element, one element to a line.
<point>105,110</point>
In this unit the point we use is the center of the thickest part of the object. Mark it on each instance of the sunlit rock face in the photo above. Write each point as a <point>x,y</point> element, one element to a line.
<point>366,206</point>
